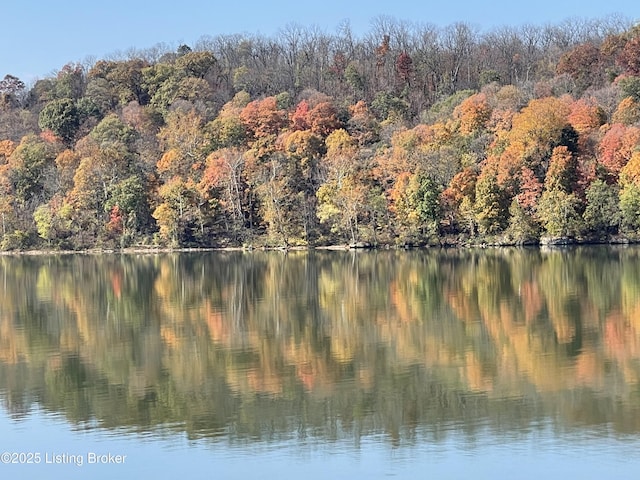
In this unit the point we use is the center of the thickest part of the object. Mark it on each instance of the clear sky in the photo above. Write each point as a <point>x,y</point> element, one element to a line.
<point>39,37</point>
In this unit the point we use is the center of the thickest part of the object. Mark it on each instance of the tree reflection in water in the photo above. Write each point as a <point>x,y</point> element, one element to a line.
<point>264,346</point>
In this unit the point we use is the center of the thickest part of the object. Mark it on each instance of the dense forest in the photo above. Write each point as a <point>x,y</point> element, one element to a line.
<point>410,134</point>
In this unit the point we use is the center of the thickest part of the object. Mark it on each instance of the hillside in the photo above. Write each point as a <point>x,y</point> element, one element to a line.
<point>408,135</point>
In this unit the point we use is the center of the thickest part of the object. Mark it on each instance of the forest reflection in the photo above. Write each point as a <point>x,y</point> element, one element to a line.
<point>263,346</point>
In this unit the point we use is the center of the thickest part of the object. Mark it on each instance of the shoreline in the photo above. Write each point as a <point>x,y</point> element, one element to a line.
<point>560,242</point>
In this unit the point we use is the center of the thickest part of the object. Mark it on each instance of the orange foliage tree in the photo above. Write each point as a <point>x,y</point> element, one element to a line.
<point>628,111</point>
<point>585,116</point>
<point>538,128</point>
<point>474,113</point>
<point>616,147</point>
<point>263,117</point>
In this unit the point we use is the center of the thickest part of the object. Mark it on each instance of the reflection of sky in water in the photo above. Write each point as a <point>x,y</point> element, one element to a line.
<point>533,454</point>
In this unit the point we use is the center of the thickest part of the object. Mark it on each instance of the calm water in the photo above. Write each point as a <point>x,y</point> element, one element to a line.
<point>437,364</point>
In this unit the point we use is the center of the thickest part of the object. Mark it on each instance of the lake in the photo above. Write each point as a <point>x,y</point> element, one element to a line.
<point>444,364</point>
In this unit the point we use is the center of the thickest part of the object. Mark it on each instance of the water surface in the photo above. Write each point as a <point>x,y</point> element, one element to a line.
<point>471,363</point>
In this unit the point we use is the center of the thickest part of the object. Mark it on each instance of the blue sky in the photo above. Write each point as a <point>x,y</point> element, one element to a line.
<point>39,37</point>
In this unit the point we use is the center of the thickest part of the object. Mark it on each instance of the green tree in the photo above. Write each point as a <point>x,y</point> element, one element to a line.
<point>522,226</point>
<point>630,87</point>
<point>125,79</point>
<point>630,193</point>
<point>44,222</point>
<point>415,201</point>
<point>129,195</point>
<point>32,173</point>
<point>70,82</point>
<point>630,207</point>
<point>225,131</point>
<point>558,212</point>
<point>101,95</point>
<point>61,117</point>
<point>425,196</point>
<point>491,207</point>
<point>196,64</point>
<point>602,215</point>
<point>354,78</point>
<point>113,131</point>
<point>388,106</point>
<point>12,91</point>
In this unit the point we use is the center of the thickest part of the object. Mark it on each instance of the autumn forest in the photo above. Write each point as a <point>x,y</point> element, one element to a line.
<point>410,134</point>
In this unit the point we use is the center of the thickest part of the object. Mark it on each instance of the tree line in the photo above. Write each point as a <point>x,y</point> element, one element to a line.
<point>410,134</point>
